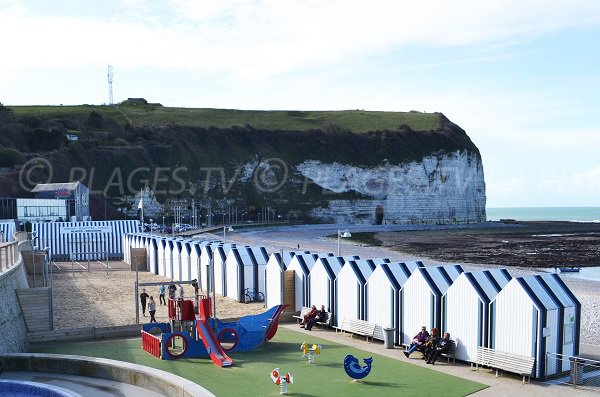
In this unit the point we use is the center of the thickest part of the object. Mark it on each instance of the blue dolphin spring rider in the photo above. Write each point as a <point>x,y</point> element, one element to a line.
<point>354,370</point>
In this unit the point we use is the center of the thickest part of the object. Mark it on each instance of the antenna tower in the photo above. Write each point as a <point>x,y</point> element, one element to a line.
<point>110,94</point>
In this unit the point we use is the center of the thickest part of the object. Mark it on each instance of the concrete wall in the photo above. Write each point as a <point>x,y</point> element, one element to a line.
<point>12,324</point>
<point>138,375</point>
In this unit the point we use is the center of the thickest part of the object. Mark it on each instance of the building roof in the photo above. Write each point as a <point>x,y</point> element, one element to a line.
<point>50,187</point>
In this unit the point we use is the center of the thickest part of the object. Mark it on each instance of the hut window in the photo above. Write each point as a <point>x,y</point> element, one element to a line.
<point>568,333</point>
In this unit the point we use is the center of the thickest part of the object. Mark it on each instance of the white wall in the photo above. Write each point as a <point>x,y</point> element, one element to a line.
<point>381,299</point>
<point>416,307</point>
<point>514,310</point>
<point>462,318</point>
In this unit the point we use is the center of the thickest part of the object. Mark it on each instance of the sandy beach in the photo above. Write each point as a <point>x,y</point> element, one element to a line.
<point>102,299</point>
<point>108,298</point>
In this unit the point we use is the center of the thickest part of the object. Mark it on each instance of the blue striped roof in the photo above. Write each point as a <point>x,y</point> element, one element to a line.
<point>488,283</point>
<point>398,273</point>
<point>556,286</point>
<point>439,278</point>
<point>537,292</point>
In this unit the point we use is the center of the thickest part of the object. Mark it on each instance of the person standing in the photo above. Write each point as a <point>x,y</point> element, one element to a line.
<point>152,309</point>
<point>143,297</point>
<point>172,290</point>
<point>161,295</point>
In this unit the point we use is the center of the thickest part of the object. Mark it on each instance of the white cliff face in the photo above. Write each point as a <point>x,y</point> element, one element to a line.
<point>442,189</point>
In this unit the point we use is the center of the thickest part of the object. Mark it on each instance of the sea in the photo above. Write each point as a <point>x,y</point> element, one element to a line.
<point>571,214</point>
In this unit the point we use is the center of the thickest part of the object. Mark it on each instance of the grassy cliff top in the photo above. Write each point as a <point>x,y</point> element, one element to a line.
<point>158,116</point>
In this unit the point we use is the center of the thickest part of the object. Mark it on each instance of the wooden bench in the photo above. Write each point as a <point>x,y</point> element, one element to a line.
<point>300,316</point>
<point>503,361</point>
<point>358,327</point>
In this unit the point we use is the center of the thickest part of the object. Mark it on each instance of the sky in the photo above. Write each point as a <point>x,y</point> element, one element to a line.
<point>521,77</point>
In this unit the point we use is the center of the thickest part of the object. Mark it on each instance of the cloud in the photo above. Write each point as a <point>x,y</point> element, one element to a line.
<point>262,39</point>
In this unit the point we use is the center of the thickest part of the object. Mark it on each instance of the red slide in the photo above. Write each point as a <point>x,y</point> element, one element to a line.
<point>217,355</point>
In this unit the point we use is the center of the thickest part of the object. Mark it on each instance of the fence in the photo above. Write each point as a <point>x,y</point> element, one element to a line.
<point>581,373</point>
<point>151,344</point>
<point>94,239</point>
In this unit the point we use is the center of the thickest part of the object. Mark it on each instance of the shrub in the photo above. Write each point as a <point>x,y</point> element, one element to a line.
<point>10,157</point>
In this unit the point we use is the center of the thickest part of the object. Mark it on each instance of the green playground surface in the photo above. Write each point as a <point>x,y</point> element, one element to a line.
<point>250,375</point>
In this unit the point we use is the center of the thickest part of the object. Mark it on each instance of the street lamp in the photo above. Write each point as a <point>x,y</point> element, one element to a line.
<point>340,235</point>
<point>229,229</point>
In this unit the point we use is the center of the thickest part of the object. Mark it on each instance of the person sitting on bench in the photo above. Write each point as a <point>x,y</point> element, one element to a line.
<point>310,315</point>
<point>417,341</point>
<point>433,340</point>
<point>321,317</point>
<point>442,347</point>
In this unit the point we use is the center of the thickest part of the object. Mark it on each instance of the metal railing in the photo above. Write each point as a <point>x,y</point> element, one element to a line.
<point>579,372</point>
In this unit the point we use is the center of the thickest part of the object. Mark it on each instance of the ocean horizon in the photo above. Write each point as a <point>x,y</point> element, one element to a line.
<point>571,214</point>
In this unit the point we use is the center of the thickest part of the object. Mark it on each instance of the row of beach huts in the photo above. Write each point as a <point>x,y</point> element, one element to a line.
<point>533,316</point>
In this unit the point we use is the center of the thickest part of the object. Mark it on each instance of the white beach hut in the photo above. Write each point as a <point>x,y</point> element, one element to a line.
<point>322,280</point>
<point>301,265</point>
<point>195,255</point>
<point>383,292</point>
<point>569,323</point>
<point>274,271</point>
<point>219,261</point>
<point>465,309</point>
<point>421,299</point>
<point>261,257</point>
<point>245,268</point>
<point>530,319</point>
<point>163,256</point>
<point>153,255</point>
<point>178,253</point>
<point>205,263</point>
<point>170,253</point>
<point>186,260</point>
<point>350,293</point>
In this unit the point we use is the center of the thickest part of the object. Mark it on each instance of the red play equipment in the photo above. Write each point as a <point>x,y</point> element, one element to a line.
<point>245,334</point>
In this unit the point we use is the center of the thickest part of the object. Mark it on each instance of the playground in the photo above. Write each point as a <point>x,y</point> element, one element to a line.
<point>250,375</point>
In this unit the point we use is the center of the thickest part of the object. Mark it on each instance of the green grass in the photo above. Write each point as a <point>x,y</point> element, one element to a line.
<point>355,120</point>
<point>367,238</point>
<point>250,374</point>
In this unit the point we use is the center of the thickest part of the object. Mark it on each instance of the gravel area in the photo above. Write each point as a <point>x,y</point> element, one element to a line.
<point>101,299</point>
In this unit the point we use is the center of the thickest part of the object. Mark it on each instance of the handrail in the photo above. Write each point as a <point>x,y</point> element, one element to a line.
<point>9,255</point>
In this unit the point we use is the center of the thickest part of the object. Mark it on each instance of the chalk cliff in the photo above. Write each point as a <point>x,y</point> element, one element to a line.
<point>443,189</point>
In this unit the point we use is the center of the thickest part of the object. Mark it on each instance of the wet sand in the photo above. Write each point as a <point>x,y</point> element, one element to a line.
<point>522,244</point>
